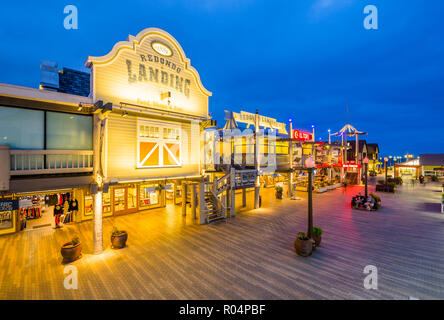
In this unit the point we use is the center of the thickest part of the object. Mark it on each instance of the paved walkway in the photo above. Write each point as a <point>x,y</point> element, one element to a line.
<point>248,257</point>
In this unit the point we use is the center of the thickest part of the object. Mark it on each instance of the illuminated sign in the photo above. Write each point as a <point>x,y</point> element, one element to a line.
<point>143,69</point>
<point>162,49</point>
<point>351,165</point>
<point>301,135</point>
<point>266,122</point>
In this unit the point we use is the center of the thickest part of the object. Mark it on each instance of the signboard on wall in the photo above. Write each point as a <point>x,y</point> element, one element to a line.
<point>149,70</point>
<point>266,122</point>
<point>302,135</point>
<point>9,205</point>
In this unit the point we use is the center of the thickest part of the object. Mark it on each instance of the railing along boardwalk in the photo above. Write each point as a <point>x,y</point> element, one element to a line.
<point>250,256</point>
<point>26,162</point>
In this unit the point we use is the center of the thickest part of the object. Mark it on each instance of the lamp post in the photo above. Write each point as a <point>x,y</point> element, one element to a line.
<point>366,176</point>
<point>309,164</point>
<point>386,162</point>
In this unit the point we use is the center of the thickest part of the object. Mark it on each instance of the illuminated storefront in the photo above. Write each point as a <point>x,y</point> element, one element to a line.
<point>146,146</point>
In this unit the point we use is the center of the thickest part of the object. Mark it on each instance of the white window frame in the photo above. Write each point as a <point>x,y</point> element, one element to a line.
<point>160,141</point>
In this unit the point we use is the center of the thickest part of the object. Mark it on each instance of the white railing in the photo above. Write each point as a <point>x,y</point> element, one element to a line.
<point>26,162</point>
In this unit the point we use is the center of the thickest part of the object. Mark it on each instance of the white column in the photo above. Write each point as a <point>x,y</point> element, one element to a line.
<point>97,226</point>
<point>99,124</point>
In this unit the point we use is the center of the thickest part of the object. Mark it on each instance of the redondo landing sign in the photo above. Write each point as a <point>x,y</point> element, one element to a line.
<point>145,67</point>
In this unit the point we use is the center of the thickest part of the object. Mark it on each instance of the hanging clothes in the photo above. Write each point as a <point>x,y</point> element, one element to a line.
<point>58,211</point>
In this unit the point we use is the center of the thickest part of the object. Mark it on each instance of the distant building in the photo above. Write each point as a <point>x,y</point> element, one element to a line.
<point>427,164</point>
<point>370,150</point>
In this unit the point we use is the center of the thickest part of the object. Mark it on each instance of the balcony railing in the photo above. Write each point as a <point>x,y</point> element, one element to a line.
<point>26,162</point>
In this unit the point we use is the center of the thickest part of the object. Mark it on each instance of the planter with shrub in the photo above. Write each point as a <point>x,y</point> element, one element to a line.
<point>303,245</point>
<point>72,250</point>
<point>118,238</point>
<point>317,236</point>
<point>389,187</point>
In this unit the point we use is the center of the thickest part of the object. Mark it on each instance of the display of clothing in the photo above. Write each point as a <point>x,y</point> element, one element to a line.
<point>58,211</point>
<point>31,212</point>
<point>73,205</point>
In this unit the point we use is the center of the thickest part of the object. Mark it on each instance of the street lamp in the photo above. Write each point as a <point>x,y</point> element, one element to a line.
<point>309,164</point>
<point>366,177</point>
<point>385,161</point>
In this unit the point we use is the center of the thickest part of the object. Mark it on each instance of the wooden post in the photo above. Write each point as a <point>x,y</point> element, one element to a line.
<point>184,199</point>
<point>233,193</point>
<point>257,161</point>
<point>202,202</point>
<point>310,204</point>
<point>194,201</point>
<point>290,185</point>
<point>244,197</point>
<point>227,197</point>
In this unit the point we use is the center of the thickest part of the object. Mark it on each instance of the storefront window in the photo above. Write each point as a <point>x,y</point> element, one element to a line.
<point>106,202</point>
<point>89,204</point>
<point>6,220</point>
<point>148,195</point>
<point>132,197</point>
<point>21,128</point>
<point>65,131</point>
<point>119,199</point>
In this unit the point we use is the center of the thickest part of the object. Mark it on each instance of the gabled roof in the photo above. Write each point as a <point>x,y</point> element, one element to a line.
<point>362,144</point>
<point>372,148</point>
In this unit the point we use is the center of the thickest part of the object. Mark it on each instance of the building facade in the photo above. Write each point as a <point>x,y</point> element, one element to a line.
<point>134,140</point>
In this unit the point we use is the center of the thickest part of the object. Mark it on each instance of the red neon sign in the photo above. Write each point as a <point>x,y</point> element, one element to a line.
<point>301,135</point>
<point>351,165</point>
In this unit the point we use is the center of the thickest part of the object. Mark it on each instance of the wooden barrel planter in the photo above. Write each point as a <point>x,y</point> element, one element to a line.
<point>317,240</point>
<point>303,248</point>
<point>118,241</point>
<point>71,252</point>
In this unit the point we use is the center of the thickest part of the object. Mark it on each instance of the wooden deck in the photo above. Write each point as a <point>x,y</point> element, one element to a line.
<point>248,257</point>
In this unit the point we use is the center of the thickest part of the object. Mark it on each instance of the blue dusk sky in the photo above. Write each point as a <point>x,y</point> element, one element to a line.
<point>304,59</point>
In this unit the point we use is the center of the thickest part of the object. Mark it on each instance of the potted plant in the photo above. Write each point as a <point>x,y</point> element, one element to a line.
<point>118,238</point>
<point>303,245</point>
<point>72,250</point>
<point>317,236</point>
<point>279,192</point>
<point>377,200</point>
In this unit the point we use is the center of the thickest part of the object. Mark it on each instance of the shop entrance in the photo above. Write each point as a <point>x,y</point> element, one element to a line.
<point>125,200</point>
<point>37,210</point>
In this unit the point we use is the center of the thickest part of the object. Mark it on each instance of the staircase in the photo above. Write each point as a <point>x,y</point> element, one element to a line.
<point>214,190</point>
<point>211,204</point>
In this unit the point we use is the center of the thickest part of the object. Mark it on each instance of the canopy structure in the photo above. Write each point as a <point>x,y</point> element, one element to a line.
<point>349,130</point>
<point>231,122</point>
